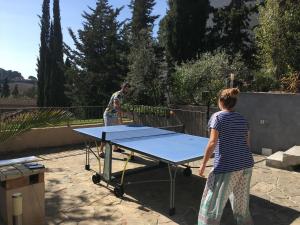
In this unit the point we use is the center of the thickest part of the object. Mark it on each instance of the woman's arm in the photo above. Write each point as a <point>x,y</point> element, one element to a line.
<point>117,106</point>
<point>213,139</point>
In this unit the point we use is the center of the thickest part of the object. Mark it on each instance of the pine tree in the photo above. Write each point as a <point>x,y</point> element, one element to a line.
<point>43,60</point>
<point>97,59</point>
<point>32,78</point>
<point>182,30</point>
<point>5,89</point>
<point>232,30</point>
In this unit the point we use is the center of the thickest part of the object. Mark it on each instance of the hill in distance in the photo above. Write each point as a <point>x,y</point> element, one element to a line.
<point>15,78</point>
<point>10,75</point>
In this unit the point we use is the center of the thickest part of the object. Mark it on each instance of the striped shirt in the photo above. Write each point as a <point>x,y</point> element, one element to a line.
<point>232,152</point>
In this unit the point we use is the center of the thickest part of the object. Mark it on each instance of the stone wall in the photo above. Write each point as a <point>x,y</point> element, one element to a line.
<point>274,119</point>
<point>39,138</point>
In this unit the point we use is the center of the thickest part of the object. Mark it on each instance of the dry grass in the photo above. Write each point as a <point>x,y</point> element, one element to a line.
<point>17,102</point>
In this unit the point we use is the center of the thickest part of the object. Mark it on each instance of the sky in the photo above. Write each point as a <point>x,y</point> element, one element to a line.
<point>20,31</point>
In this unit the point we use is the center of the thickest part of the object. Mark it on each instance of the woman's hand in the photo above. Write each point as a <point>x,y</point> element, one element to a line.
<point>201,170</point>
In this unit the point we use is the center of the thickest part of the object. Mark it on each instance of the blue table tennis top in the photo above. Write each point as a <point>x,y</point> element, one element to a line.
<point>168,146</point>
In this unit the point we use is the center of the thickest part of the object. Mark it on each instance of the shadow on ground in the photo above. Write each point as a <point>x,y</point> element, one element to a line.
<point>154,196</point>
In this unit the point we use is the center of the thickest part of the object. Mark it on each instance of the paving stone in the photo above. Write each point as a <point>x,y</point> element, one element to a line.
<point>262,188</point>
<point>267,177</point>
<point>296,222</point>
<point>80,213</point>
<point>69,223</point>
<point>92,222</point>
<point>71,197</point>
<point>284,181</point>
<point>136,220</point>
<point>295,199</point>
<point>57,219</point>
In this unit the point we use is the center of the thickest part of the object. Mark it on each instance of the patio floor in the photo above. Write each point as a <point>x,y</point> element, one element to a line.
<point>72,198</point>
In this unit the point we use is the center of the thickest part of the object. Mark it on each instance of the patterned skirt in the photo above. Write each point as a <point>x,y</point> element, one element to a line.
<point>234,186</point>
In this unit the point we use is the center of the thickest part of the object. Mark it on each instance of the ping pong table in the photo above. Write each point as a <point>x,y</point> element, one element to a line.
<point>169,148</point>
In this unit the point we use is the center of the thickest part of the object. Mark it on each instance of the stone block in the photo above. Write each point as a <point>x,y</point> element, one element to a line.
<point>275,160</point>
<point>266,151</point>
<point>291,157</point>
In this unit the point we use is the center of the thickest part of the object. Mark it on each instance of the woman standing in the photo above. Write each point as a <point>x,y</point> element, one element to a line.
<point>233,162</point>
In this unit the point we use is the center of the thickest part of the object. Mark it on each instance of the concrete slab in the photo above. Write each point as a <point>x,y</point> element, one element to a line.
<point>275,160</point>
<point>18,160</point>
<point>266,151</point>
<point>291,157</point>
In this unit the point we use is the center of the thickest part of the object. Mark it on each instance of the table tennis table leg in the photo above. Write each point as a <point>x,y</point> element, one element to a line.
<point>96,178</point>
<point>172,189</point>
<point>124,168</point>
<point>107,162</point>
<point>98,158</point>
<point>87,156</point>
<point>119,189</point>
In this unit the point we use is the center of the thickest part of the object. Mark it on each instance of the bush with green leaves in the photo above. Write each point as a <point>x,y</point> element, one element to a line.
<point>264,82</point>
<point>144,109</point>
<point>209,73</point>
<point>278,36</point>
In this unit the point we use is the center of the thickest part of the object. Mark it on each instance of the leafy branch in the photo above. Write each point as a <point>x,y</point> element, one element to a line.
<point>21,122</point>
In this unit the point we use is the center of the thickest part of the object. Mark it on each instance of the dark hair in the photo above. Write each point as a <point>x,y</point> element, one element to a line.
<point>228,97</point>
<point>125,84</point>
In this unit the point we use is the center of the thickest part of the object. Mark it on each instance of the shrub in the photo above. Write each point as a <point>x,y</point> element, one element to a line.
<point>209,73</point>
<point>291,82</point>
<point>264,82</point>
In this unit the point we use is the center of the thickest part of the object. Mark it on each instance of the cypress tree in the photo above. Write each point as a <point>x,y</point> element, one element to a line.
<point>182,30</point>
<point>57,78</point>
<point>232,30</point>
<point>69,77</point>
<point>144,71</point>
<point>48,85</point>
<point>43,52</point>
<point>15,92</point>
<point>5,89</point>
<point>144,61</point>
<point>98,58</point>
<point>141,15</point>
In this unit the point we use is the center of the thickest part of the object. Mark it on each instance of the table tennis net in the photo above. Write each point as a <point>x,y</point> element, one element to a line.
<point>117,135</point>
